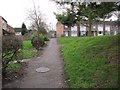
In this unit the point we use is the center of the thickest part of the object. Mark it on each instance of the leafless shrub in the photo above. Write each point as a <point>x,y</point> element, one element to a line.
<point>10,47</point>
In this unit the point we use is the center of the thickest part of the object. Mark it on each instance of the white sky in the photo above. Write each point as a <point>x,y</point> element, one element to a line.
<point>15,11</point>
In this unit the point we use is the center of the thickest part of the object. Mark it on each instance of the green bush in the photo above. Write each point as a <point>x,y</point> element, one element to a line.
<point>46,38</point>
<point>38,42</point>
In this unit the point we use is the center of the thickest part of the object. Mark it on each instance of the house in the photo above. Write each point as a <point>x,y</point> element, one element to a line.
<point>52,33</point>
<point>18,31</point>
<point>10,29</point>
<point>60,28</point>
<point>96,29</point>
<point>115,27</point>
<point>5,29</point>
<point>3,25</point>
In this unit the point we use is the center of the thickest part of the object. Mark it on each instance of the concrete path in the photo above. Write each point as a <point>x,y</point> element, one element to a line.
<point>54,78</point>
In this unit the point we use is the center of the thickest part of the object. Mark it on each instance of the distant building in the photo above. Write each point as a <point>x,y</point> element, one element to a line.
<point>18,31</point>
<point>60,29</point>
<point>115,27</point>
<point>111,27</point>
<point>52,33</point>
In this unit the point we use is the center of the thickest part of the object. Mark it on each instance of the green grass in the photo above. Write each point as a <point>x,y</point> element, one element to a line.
<point>91,61</point>
<point>28,51</point>
<point>27,45</point>
<point>14,66</point>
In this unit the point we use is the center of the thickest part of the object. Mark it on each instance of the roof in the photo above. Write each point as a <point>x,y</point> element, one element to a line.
<point>11,29</point>
<point>3,19</point>
<point>52,31</point>
<point>18,29</point>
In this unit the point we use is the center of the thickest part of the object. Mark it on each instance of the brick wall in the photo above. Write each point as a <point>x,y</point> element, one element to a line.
<point>59,29</point>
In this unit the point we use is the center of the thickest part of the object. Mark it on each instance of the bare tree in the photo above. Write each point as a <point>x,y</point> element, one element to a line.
<point>36,18</point>
<point>37,23</point>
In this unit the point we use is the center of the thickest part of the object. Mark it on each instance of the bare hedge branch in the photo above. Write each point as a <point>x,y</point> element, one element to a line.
<point>10,47</point>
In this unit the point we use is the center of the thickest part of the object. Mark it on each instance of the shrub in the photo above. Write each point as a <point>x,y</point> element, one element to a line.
<point>10,47</point>
<point>46,38</point>
<point>38,42</point>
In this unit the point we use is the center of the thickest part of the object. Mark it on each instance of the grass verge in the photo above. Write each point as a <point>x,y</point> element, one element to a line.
<point>91,62</point>
<point>28,51</point>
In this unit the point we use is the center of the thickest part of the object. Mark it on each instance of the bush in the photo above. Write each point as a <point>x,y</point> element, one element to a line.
<point>46,38</point>
<point>10,47</point>
<point>38,42</point>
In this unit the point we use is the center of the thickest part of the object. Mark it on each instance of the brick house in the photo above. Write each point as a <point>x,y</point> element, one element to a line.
<point>5,29</point>
<point>96,29</point>
<point>11,29</point>
<point>115,27</point>
<point>60,29</point>
<point>3,25</point>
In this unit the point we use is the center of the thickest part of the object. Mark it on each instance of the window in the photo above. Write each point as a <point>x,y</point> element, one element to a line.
<point>65,26</point>
<point>107,27</point>
<point>100,27</point>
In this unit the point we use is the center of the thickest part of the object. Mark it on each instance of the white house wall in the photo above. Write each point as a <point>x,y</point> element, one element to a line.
<point>82,29</point>
<point>66,33</point>
<point>107,29</point>
<point>74,31</point>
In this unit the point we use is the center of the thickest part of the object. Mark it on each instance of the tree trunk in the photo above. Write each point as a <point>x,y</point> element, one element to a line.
<point>38,36</point>
<point>78,30</point>
<point>69,31</point>
<point>89,30</point>
<point>103,28</point>
<point>103,25</point>
<point>38,43</point>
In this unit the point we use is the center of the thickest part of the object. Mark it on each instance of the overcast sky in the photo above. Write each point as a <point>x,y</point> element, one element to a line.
<point>15,11</point>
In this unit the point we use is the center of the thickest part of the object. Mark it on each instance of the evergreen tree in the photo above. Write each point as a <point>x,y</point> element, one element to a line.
<point>24,29</point>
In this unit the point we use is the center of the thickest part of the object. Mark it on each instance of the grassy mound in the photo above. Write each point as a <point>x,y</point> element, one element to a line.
<point>91,61</point>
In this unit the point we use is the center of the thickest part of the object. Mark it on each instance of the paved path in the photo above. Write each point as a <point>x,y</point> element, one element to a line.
<point>54,78</point>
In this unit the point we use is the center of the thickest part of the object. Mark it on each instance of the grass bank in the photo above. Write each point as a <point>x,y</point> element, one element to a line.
<point>91,61</point>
